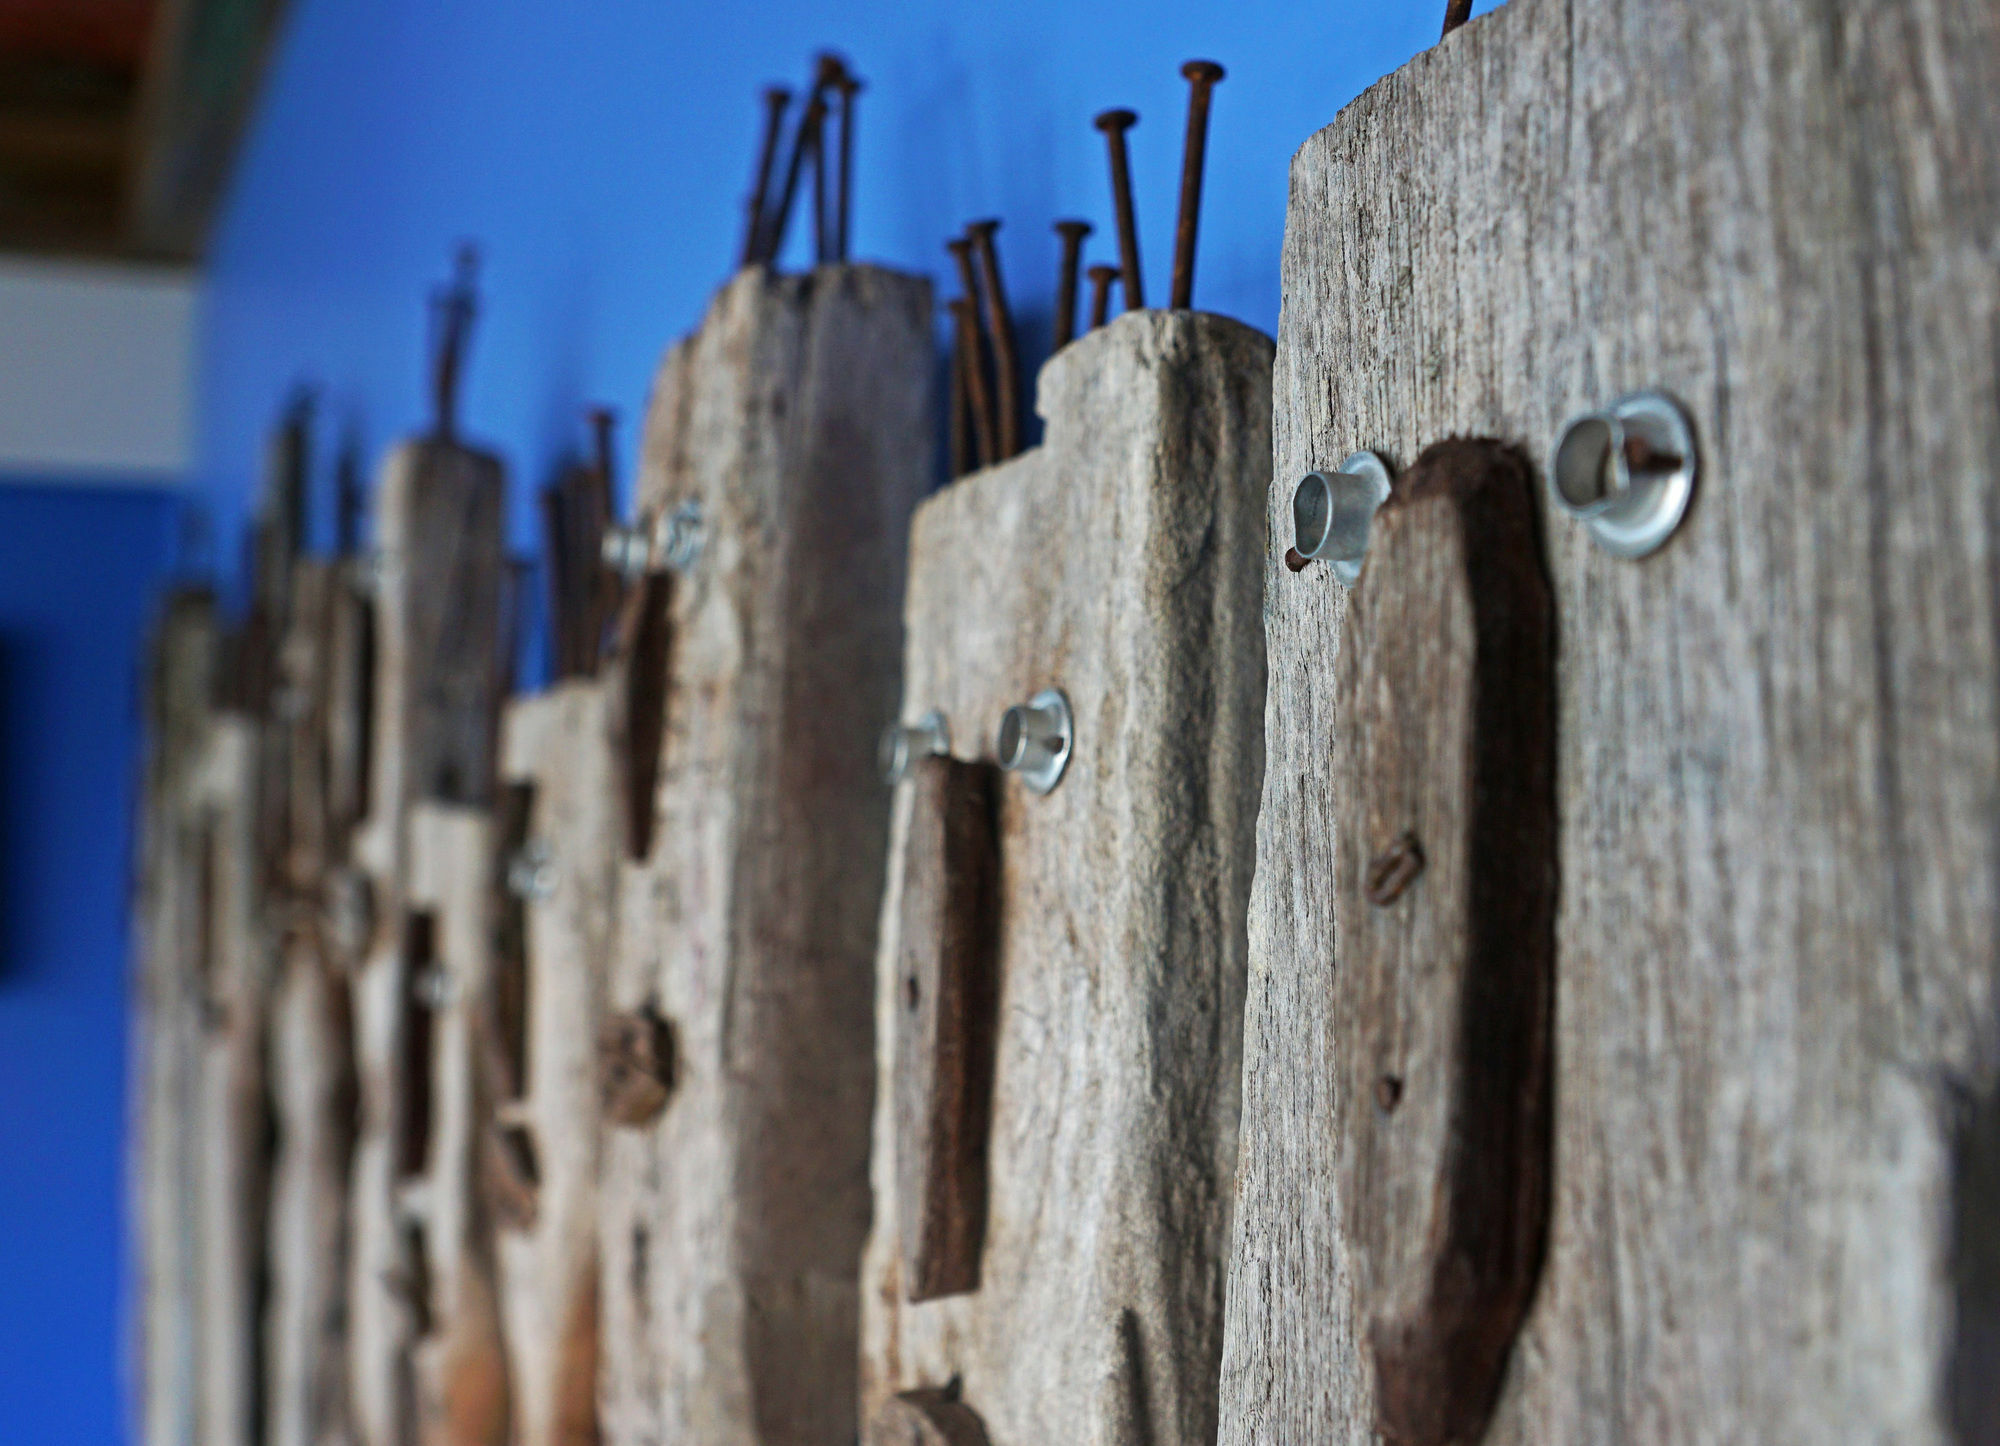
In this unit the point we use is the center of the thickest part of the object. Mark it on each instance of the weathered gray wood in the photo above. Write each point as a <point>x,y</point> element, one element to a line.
<point>459,1365</point>
<point>1444,881</point>
<point>311,1039</point>
<point>1774,1212</point>
<point>435,698</point>
<point>798,417</point>
<point>558,744</point>
<point>950,933</point>
<point>167,1019</point>
<point>1120,562</point>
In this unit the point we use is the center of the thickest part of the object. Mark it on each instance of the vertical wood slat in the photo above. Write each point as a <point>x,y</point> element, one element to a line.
<point>944,1024</point>
<point>557,747</point>
<point>438,573</point>
<point>798,420</point>
<point>1444,879</point>
<point>1117,561</point>
<point>1778,737</point>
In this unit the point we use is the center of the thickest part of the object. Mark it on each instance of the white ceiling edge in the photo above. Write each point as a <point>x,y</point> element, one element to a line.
<point>97,365</point>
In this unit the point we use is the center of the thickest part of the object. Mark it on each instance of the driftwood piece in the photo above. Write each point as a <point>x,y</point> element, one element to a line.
<point>459,1367</point>
<point>1444,906</point>
<point>167,1018</point>
<point>798,420</point>
<point>556,753</point>
<point>1775,1210</point>
<point>1118,561</point>
<point>944,1024</point>
<point>311,1036</point>
<point>435,697</point>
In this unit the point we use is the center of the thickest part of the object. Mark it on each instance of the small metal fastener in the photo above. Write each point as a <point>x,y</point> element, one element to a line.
<point>678,536</point>
<point>1626,472</point>
<point>1392,871</point>
<point>434,985</point>
<point>1114,124</point>
<point>1072,234</point>
<point>531,873</point>
<point>1036,738</point>
<point>1101,277</point>
<point>904,743</point>
<point>627,550</point>
<point>1331,513</point>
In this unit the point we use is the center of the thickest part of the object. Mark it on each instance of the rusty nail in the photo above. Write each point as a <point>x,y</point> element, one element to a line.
<point>1393,870</point>
<point>849,86</point>
<point>985,420</point>
<point>453,307</point>
<point>1456,13</point>
<point>1201,76</point>
<point>635,1057</point>
<point>776,100</point>
<point>1006,398</point>
<point>806,143</point>
<point>965,320</point>
<point>1388,1092</point>
<point>1072,233</point>
<point>1114,124</point>
<point>961,403</point>
<point>1101,277</point>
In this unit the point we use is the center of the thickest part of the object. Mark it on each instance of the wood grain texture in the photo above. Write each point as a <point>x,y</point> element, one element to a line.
<point>799,418</point>
<point>311,1048</point>
<point>559,744</point>
<point>181,686</point>
<point>1119,561</point>
<point>458,1362</point>
<point>435,698</point>
<point>1774,1211</point>
<point>950,934</point>
<point>1444,910</point>
<point>925,1418</point>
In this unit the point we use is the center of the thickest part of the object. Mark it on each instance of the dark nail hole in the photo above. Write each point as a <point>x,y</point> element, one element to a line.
<point>1393,870</point>
<point>1296,560</point>
<point>912,995</point>
<point>1388,1092</point>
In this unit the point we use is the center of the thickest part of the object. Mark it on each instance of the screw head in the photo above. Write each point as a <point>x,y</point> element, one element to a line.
<point>1626,472</point>
<point>1077,229</point>
<point>1202,72</point>
<point>1112,121</point>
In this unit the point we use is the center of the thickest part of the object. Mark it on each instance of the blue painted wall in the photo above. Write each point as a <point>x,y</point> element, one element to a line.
<point>601,151</point>
<point>79,570</point>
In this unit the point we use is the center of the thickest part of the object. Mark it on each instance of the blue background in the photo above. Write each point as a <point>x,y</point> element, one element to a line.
<point>599,152</point>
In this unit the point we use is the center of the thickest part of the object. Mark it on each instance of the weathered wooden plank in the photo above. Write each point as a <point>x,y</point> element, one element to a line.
<point>1444,908</point>
<point>798,420</point>
<point>166,1024</point>
<point>556,751</point>
<point>1118,561</point>
<point>458,1363</point>
<point>438,570</point>
<point>945,1022</point>
<point>311,1037</point>
<point>1779,738</point>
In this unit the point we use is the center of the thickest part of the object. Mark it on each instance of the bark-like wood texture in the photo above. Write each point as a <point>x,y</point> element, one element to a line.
<point>1120,562</point>
<point>798,418</point>
<point>556,754</point>
<point>435,698</point>
<point>1444,906</point>
<point>459,1366</point>
<point>168,1019</point>
<point>944,1023</point>
<point>1775,1214</point>
<point>311,1049</point>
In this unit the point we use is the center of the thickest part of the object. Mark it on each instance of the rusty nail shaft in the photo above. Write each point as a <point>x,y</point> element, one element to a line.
<point>452,310</point>
<point>1456,13</point>
<point>961,400</point>
<point>965,316</point>
<point>1201,77</point>
<point>1101,277</point>
<point>985,421</point>
<point>849,88</point>
<point>806,143</point>
<point>1114,124</point>
<point>1006,382</point>
<point>776,100</point>
<point>1072,233</point>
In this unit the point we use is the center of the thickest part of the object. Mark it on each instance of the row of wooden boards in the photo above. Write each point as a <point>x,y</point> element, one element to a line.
<point>1603,950</point>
